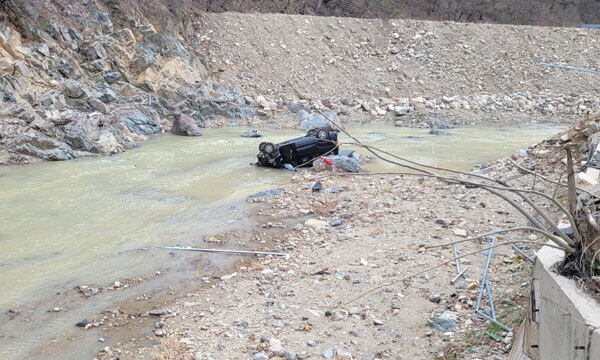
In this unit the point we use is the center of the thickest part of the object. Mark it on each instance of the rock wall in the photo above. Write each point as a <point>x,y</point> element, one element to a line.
<point>81,85</point>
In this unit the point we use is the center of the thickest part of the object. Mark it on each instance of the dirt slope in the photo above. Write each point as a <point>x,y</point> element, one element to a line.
<point>338,57</point>
<point>548,12</point>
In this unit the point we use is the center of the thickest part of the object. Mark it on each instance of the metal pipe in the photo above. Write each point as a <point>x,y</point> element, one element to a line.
<point>483,278</point>
<point>482,314</point>
<point>522,253</point>
<point>566,67</point>
<point>489,292</point>
<point>240,252</point>
<point>461,273</point>
<point>456,258</point>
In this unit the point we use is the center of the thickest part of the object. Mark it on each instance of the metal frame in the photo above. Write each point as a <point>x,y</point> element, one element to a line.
<point>486,285</point>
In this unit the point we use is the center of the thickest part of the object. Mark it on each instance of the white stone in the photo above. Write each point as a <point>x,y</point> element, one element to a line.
<point>316,224</point>
<point>460,232</point>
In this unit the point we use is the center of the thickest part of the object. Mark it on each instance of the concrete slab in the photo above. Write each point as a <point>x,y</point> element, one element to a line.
<point>566,318</point>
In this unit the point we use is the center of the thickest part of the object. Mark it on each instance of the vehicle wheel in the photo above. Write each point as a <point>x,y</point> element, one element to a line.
<point>269,148</point>
<point>261,147</point>
<point>311,132</point>
<point>322,134</point>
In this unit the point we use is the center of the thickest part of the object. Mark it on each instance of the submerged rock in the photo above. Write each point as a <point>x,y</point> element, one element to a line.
<point>266,193</point>
<point>252,134</point>
<point>438,132</point>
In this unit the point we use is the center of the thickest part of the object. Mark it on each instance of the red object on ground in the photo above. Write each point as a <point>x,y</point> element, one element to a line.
<point>327,161</point>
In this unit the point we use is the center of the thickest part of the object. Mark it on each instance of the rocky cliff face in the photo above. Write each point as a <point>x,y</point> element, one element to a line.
<point>73,83</point>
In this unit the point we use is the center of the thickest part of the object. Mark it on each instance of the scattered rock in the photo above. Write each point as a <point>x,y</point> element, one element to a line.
<point>444,322</point>
<point>288,355</point>
<point>328,354</point>
<point>260,356</point>
<point>335,222</point>
<point>443,221</point>
<point>343,355</point>
<point>316,224</point>
<point>367,356</point>
<point>401,110</point>
<point>275,347</point>
<point>317,187</point>
<point>460,232</point>
<point>266,193</point>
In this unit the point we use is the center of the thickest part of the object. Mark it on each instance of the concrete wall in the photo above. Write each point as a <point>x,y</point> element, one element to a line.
<point>562,319</point>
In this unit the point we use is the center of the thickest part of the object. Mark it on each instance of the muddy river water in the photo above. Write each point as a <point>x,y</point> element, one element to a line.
<point>94,221</point>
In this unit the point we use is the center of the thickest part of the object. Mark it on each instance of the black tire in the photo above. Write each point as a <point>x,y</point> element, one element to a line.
<point>261,147</point>
<point>311,132</point>
<point>322,134</point>
<point>269,148</point>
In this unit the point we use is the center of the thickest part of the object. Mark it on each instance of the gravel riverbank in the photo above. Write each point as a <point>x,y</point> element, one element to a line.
<point>358,233</point>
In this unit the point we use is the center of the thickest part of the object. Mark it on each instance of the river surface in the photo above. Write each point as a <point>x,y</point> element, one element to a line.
<point>94,220</point>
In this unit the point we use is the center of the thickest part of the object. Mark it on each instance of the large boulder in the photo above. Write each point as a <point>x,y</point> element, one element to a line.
<point>313,121</point>
<point>184,125</point>
<point>338,163</point>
